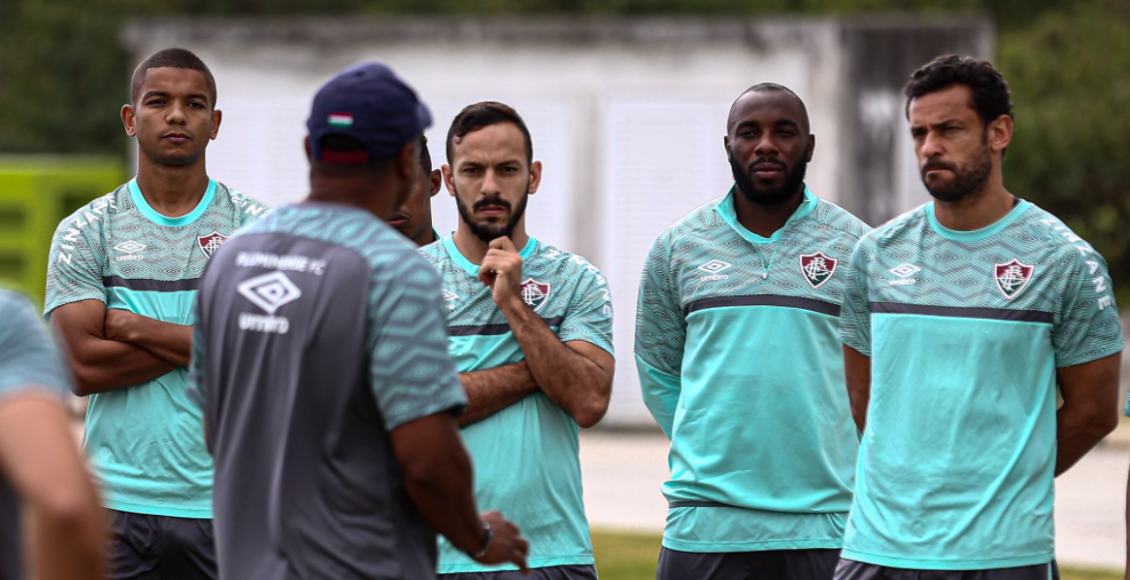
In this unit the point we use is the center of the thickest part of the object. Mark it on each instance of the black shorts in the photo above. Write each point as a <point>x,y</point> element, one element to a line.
<point>144,547</point>
<point>767,565</point>
<point>547,573</point>
<point>852,570</point>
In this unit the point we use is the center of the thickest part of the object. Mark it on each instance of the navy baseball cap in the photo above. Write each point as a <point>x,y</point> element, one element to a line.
<point>369,103</point>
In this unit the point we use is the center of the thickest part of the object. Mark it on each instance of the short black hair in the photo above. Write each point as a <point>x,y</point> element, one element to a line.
<point>776,87</point>
<point>171,58</point>
<point>425,155</point>
<point>484,114</point>
<point>989,91</point>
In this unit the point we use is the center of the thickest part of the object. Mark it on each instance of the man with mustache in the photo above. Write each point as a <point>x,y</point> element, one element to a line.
<point>739,364</point>
<point>120,285</point>
<point>414,217</point>
<point>959,320</point>
<point>530,328</point>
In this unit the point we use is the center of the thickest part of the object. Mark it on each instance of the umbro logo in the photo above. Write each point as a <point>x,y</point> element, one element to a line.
<point>449,297</point>
<point>269,292</point>
<point>713,267</point>
<point>904,272</point>
<point>130,248</point>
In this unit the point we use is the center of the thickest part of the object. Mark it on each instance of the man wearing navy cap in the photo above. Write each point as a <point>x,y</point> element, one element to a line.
<point>320,358</point>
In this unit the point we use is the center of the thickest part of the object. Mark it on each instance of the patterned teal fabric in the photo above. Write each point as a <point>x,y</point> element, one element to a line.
<point>145,442</point>
<point>736,335</point>
<point>411,372</point>
<point>965,331</point>
<point>28,359</point>
<point>525,456</point>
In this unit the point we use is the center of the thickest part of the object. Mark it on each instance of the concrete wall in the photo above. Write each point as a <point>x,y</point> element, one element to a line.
<point>627,116</point>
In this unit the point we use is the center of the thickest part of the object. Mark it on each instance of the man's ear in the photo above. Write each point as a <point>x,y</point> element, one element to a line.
<point>1000,133</point>
<point>129,119</point>
<point>448,179</point>
<point>535,177</point>
<point>306,146</point>
<point>435,180</point>
<point>217,116</point>
<point>811,149</point>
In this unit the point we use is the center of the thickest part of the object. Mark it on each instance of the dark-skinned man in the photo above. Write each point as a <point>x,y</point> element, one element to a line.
<point>414,217</point>
<point>41,467</point>
<point>530,330</point>
<point>321,359</point>
<point>959,320</point>
<point>738,361</point>
<point>120,285</point>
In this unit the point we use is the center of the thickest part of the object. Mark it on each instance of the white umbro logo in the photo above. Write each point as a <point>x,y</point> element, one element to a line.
<point>714,266</point>
<point>130,247</point>
<point>449,297</point>
<point>270,291</point>
<point>905,270</point>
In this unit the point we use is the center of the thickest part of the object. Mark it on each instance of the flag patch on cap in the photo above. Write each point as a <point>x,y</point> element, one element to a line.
<point>341,120</point>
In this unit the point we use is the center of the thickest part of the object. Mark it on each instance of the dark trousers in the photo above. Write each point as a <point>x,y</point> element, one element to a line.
<point>766,565</point>
<point>851,570</point>
<point>145,547</point>
<point>547,573</point>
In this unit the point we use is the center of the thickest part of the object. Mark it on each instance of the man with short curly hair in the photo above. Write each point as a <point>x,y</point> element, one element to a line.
<point>959,320</point>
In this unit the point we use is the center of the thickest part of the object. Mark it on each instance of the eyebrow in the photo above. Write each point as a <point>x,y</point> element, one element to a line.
<point>152,94</point>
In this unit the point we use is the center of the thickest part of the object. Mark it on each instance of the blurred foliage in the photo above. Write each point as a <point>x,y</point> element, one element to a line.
<point>63,69</point>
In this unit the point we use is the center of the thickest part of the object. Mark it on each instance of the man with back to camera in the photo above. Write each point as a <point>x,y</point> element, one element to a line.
<point>122,276</point>
<point>414,217</point>
<point>530,329</point>
<point>41,468</point>
<point>739,363</point>
<point>960,319</point>
<point>321,360</point>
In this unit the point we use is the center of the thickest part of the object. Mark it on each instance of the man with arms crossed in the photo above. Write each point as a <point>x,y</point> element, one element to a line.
<point>321,358</point>
<point>40,465</point>
<point>739,363</point>
<point>414,217</point>
<point>960,318</point>
<point>120,285</point>
<point>530,328</point>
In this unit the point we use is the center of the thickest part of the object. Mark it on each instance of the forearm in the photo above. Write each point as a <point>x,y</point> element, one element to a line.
<point>857,375</point>
<point>1128,526</point>
<point>573,382</point>
<point>172,342</point>
<point>1077,432</point>
<point>492,390</point>
<point>80,536</point>
<point>107,365</point>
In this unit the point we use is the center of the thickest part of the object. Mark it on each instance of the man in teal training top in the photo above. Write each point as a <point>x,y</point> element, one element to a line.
<point>959,320</point>
<point>121,281</point>
<point>530,328</point>
<point>739,363</point>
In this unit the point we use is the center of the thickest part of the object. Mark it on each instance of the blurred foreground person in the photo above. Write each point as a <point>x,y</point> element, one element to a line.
<point>739,364</point>
<point>321,360</point>
<point>530,327</point>
<point>41,468</point>
<point>120,286</point>
<point>959,320</point>
<point>414,217</point>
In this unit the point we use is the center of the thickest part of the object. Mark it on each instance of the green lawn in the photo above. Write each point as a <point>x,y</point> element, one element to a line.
<point>621,556</point>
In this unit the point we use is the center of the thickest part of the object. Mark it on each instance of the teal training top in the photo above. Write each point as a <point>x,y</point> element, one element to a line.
<point>29,361</point>
<point>525,456</point>
<point>739,363</point>
<point>965,330</point>
<point>145,442</point>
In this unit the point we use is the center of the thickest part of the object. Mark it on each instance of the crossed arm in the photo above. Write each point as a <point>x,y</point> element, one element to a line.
<point>575,375</point>
<point>114,349</point>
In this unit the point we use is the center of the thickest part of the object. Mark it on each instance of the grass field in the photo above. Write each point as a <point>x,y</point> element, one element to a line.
<point>622,556</point>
